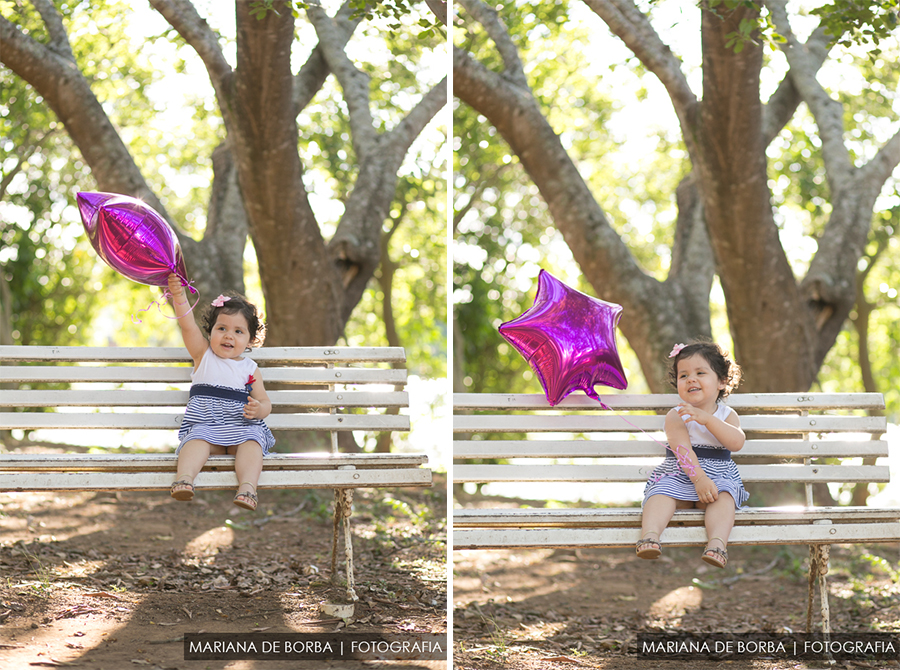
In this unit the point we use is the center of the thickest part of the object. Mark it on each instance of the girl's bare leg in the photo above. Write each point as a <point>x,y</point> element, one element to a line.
<point>719,520</point>
<point>655,516</point>
<point>191,460</point>
<point>248,464</point>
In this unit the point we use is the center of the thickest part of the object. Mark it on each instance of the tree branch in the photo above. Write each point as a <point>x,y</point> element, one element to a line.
<point>405,132</point>
<point>183,16</point>
<point>490,19</point>
<point>315,70</point>
<point>68,94</point>
<point>877,170</point>
<point>827,111</point>
<point>439,9</point>
<point>784,101</point>
<point>59,39</point>
<point>354,82</point>
<point>631,26</point>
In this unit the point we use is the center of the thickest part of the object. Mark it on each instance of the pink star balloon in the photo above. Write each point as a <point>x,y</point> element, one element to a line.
<point>569,339</point>
<point>132,238</point>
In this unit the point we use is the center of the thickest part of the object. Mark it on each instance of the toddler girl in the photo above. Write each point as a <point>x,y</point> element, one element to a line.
<point>703,432</point>
<point>228,400</point>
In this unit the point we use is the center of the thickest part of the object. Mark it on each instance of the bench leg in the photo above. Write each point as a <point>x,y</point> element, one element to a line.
<point>818,568</point>
<point>343,508</point>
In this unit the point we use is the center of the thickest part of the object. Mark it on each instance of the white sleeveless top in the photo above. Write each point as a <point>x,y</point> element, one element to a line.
<point>700,435</point>
<point>226,372</point>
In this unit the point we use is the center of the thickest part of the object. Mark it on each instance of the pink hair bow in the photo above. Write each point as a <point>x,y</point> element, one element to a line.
<point>676,350</point>
<point>220,301</point>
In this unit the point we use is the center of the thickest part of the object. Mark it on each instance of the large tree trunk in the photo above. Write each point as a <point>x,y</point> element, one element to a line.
<point>297,276</point>
<point>770,322</point>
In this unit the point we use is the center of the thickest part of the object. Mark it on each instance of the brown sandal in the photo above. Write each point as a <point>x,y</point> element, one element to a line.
<point>183,488</point>
<point>653,551</point>
<point>246,499</point>
<point>715,556</point>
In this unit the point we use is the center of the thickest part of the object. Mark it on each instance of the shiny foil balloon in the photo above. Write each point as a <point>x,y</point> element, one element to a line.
<point>132,238</point>
<point>569,339</point>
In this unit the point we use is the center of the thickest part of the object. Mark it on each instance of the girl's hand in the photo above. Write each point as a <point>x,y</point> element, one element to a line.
<point>175,288</point>
<point>691,413</point>
<point>706,488</point>
<point>252,408</point>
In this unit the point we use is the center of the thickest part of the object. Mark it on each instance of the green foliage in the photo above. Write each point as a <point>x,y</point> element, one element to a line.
<point>841,370</point>
<point>847,21</point>
<point>419,293</point>
<point>859,22</point>
<point>47,268</point>
<point>393,11</point>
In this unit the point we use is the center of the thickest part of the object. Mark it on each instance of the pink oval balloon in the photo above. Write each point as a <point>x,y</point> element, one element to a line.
<point>569,339</point>
<point>132,238</point>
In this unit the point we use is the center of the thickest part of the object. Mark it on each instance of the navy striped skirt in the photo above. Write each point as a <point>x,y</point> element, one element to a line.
<point>669,479</point>
<point>215,414</point>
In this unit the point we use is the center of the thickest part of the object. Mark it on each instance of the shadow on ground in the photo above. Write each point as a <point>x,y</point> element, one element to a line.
<point>102,581</point>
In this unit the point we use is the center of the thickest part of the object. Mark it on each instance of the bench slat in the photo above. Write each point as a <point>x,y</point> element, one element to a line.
<point>134,421</point>
<point>161,481</point>
<point>631,517</point>
<point>175,375</point>
<point>640,473</point>
<point>178,354</point>
<point>580,423</point>
<point>739,401</point>
<point>463,449</point>
<point>848,533</point>
<point>167,462</point>
<point>133,398</point>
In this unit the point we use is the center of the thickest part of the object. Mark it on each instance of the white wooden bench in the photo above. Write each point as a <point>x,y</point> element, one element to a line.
<point>800,430</point>
<point>146,388</point>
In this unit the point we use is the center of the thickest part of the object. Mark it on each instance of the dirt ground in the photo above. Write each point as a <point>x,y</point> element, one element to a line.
<point>99,581</point>
<point>564,609</point>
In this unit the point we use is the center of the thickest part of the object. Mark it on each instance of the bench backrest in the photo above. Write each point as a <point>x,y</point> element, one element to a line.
<point>798,429</point>
<point>318,389</point>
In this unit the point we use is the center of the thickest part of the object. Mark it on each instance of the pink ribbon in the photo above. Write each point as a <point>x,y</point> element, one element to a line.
<point>680,456</point>
<point>162,300</point>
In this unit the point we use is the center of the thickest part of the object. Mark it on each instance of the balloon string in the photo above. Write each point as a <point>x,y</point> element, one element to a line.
<point>161,301</point>
<point>680,456</point>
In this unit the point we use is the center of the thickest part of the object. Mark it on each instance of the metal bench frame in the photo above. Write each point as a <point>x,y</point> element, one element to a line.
<point>131,388</point>
<point>797,429</point>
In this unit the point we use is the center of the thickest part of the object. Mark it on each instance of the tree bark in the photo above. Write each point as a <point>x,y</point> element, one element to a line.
<point>770,322</point>
<point>385,278</point>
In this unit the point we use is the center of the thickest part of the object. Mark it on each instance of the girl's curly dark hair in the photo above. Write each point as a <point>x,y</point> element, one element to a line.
<point>237,304</point>
<point>726,369</point>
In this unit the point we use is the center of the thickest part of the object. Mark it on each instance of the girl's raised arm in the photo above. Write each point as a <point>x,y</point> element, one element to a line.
<point>194,341</point>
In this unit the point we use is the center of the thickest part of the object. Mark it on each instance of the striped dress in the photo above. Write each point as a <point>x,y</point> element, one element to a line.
<point>215,412</point>
<point>670,480</point>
